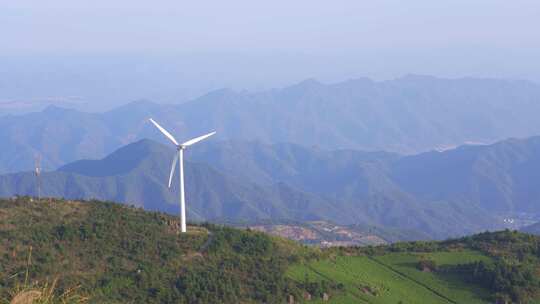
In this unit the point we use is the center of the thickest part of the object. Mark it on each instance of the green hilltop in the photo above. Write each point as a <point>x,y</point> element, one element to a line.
<point>119,254</point>
<point>112,253</point>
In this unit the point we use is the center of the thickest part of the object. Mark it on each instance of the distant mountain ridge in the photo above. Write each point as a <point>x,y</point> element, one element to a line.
<point>532,229</point>
<point>433,194</point>
<point>408,115</point>
<point>137,174</point>
<point>500,177</point>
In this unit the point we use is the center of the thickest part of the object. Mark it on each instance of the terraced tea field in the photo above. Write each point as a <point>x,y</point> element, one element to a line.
<point>394,278</point>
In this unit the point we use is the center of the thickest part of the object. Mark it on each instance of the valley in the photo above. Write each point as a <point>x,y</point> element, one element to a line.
<point>322,234</point>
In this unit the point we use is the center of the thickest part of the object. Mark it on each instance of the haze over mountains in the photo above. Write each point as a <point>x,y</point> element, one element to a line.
<point>532,229</point>
<point>306,152</point>
<point>432,195</point>
<point>137,174</point>
<point>406,115</point>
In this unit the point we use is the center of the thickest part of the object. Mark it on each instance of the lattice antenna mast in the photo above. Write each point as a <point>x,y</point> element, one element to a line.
<point>37,173</point>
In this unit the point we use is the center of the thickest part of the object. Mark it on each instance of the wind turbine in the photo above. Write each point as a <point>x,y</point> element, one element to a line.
<point>37,173</point>
<point>180,155</point>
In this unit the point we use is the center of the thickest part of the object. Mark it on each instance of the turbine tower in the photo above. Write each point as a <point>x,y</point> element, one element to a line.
<point>37,172</point>
<point>180,156</point>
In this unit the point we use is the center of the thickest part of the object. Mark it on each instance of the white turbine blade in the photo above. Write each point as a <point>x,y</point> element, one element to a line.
<point>197,139</point>
<point>175,160</point>
<point>164,131</point>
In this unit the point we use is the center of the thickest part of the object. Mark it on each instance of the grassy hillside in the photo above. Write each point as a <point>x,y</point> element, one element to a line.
<point>118,254</point>
<point>500,266</point>
<point>111,253</point>
<point>390,279</point>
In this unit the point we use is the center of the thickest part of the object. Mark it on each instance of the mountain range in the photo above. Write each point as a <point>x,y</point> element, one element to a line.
<point>407,115</point>
<point>433,195</point>
<point>532,229</point>
<point>137,174</point>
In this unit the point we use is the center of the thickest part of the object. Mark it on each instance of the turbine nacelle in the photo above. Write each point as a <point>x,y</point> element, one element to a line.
<point>183,145</point>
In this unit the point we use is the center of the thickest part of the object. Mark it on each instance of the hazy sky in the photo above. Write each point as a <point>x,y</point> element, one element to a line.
<point>202,45</point>
<point>300,25</point>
